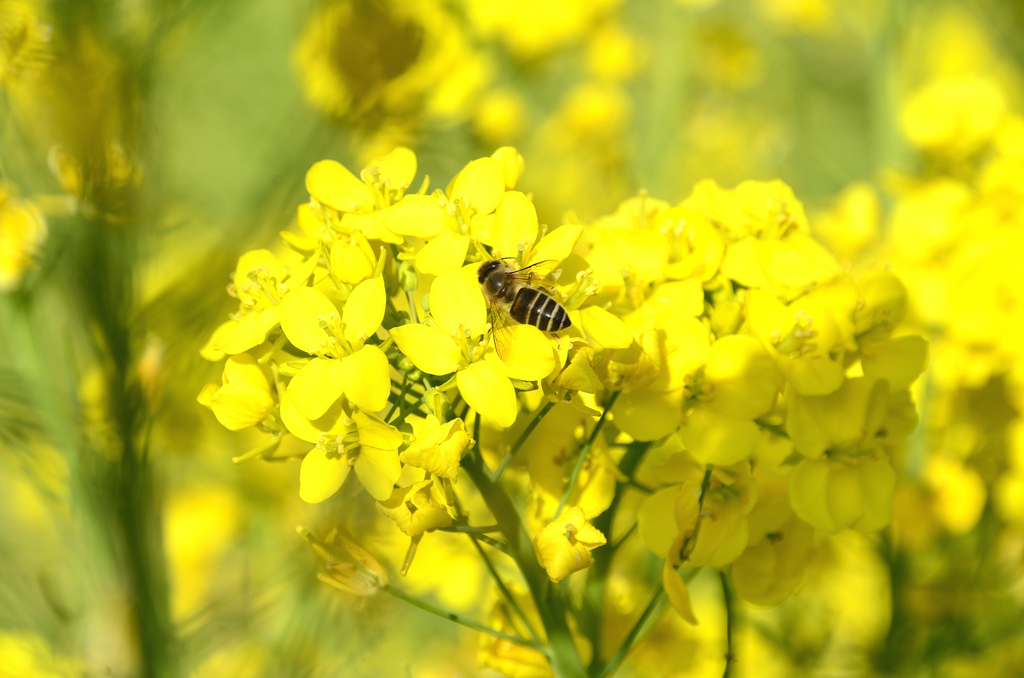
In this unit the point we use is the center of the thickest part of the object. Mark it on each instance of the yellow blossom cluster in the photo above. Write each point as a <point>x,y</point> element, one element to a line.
<point>720,371</point>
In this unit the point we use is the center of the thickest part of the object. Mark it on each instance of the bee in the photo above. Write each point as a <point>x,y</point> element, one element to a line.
<point>518,294</point>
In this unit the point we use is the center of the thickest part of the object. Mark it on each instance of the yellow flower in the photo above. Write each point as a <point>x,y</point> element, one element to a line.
<point>438,448</point>
<point>24,42</point>
<point>350,567</point>
<point>352,259</point>
<point>344,364</point>
<point>22,233</point>
<point>448,220</point>
<point>414,509</point>
<point>360,60</point>
<point>564,546</point>
<point>532,28</point>
<point>244,399</point>
<point>959,493</point>
<point>853,224</point>
<point>371,449</point>
<point>501,116</point>
<point>668,519</point>
<point>259,282</point>
<point>955,115</point>
<point>833,494</point>
<point>357,203</point>
<point>805,335</point>
<point>453,342</point>
<point>736,385</point>
<point>772,566</point>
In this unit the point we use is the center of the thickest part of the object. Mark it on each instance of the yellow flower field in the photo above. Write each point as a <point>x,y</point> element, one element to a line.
<point>528,339</point>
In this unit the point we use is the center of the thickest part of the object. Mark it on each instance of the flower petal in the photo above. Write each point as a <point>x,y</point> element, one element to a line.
<point>531,356</point>
<point>512,165</point>
<point>481,183</point>
<point>321,476</point>
<point>397,168</point>
<point>364,310</point>
<point>678,594</point>
<point>316,387</point>
<point>330,183</point>
<point>301,310</point>
<point>366,380</point>
<point>420,216</point>
<point>557,244</point>
<point>456,300</point>
<point>375,434</point>
<point>378,471</point>
<point>743,374</point>
<point>488,391</point>
<point>428,348</point>
<point>247,289</point>
<point>334,422</point>
<point>715,438</point>
<point>604,328</point>
<point>515,224</point>
<point>443,253</point>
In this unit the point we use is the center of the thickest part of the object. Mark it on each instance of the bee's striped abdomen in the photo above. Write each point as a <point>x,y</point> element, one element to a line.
<point>533,307</point>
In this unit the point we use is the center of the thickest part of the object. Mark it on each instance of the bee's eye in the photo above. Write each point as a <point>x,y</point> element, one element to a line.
<point>485,269</point>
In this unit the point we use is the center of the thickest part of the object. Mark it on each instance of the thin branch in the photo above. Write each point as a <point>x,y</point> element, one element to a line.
<point>499,545</point>
<point>471,529</point>
<point>522,439</point>
<point>585,451</point>
<point>730,620</point>
<point>451,616</point>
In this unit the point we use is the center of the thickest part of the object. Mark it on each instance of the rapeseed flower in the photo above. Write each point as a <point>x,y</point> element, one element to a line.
<point>22,234</point>
<point>764,388</point>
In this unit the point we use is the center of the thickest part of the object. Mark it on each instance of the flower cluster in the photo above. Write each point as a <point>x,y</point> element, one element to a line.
<point>721,372</point>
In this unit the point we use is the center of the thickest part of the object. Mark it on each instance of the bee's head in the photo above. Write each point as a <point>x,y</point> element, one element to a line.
<point>486,269</point>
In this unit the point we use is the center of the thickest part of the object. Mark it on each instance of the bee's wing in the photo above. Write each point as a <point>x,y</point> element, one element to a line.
<point>536,274</point>
<point>501,329</point>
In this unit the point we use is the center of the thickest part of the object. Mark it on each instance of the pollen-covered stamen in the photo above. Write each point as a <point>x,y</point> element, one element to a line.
<point>460,208</point>
<point>266,282</point>
<point>697,387</point>
<point>582,289</point>
<point>335,342</point>
<point>798,341</point>
<point>327,444</point>
<point>464,339</point>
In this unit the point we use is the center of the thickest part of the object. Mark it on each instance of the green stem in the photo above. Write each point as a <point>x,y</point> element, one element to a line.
<point>504,590</point>
<point>522,439</point>
<point>412,307</point>
<point>730,619</point>
<point>585,451</point>
<point>561,650</point>
<point>592,609</point>
<point>494,543</point>
<point>267,445</point>
<point>401,400</point>
<point>471,529</point>
<point>634,633</point>
<point>451,616</point>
